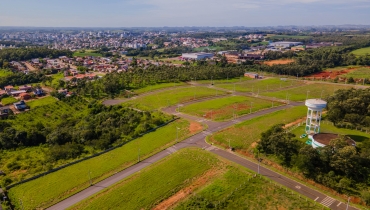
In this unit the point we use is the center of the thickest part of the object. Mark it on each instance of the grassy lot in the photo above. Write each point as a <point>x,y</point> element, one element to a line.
<point>41,102</point>
<point>359,73</point>
<point>224,108</point>
<point>86,53</point>
<point>228,187</point>
<point>211,48</point>
<point>4,72</point>
<point>56,78</point>
<point>362,51</point>
<point>158,86</point>
<point>242,135</point>
<point>221,81</point>
<point>159,181</point>
<point>50,189</point>
<point>260,86</point>
<point>235,189</point>
<point>328,127</point>
<point>8,100</point>
<point>300,93</point>
<point>172,97</point>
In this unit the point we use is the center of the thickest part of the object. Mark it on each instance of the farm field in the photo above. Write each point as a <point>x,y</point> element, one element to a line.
<point>275,62</point>
<point>259,86</point>
<point>243,135</point>
<point>172,97</point>
<point>225,108</point>
<point>150,88</point>
<point>300,93</point>
<point>8,100</point>
<point>41,102</point>
<point>159,181</point>
<point>362,51</point>
<point>51,188</point>
<point>207,183</point>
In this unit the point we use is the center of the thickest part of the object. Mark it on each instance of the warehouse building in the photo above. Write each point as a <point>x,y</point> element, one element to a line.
<point>285,44</point>
<point>196,56</point>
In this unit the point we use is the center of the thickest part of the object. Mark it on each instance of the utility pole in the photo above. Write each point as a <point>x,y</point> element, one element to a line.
<point>138,155</point>
<point>321,94</point>
<point>307,94</point>
<point>229,145</point>
<point>251,107</point>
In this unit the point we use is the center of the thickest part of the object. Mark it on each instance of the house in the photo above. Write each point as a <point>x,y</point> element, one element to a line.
<point>8,88</point>
<point>20,105</point>
<point>16,93</point>
<point>26,88</point>
<point>38,92</point>
<point>25,96</point>
<point>4,112</point>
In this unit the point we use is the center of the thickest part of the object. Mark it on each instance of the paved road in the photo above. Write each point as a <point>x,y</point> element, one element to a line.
<point>198,140</point>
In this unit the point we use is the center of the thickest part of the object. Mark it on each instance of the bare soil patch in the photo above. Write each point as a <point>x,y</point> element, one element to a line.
<point>195,127</point>
<point>202,180</point>
<point>330,74</point>
<point>276,62</point>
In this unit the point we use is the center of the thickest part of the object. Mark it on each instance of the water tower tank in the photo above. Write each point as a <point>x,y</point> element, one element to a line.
<point>315,107</point>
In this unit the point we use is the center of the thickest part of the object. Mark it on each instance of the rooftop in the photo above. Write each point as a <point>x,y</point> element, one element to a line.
<point>325,138</point>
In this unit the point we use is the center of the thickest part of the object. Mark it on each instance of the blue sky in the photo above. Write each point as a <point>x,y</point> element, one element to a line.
<point>130,13</point>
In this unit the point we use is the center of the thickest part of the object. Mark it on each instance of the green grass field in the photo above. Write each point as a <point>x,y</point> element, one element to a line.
<point>224,108</point>
<point>229,187</point>
<point>362,51</point>
<point>300,93</point>
<point>360,73</point>
<point>236,189</point>
<point>150,88</point>
<point>49,189</point>
<point>242,135</point>
<point>222,81</point>
<point>41,102</point>
<point>259,86</point>
<point>328,127</point>
<point>8,100</point>
<point>144,189</point>
<point>172,97</point>
<point>86,53</point>
<point>4,73</point>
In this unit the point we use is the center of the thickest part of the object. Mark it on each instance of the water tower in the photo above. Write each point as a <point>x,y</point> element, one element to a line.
<point>315,107</point>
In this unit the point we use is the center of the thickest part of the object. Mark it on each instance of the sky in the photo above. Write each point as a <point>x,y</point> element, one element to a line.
<point>158,13</point>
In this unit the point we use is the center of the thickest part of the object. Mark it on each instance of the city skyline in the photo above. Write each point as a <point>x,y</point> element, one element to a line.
<point>158,13</point>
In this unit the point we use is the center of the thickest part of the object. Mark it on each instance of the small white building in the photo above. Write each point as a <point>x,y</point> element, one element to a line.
<point>197,56</point>
<point>285,44</point>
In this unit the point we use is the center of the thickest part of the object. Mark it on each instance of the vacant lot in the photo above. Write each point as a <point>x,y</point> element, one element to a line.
<point>259,86</point>
<point>226,108</point>
<point>275,62</point>
<point>51,188</point>
<point>8,100</point>
<point>159,86</point>
<point>207,183</point>
<point>242,136</point>
<point>221,81</point>
<point>144,189</point>
<point>362,51</point>
<point>359,73</point>
<point>41,102</point>
<point>172,97</point>
<point>307,91</point>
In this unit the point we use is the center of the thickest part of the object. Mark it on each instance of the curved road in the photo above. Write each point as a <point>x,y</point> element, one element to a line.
<point>198,140</point>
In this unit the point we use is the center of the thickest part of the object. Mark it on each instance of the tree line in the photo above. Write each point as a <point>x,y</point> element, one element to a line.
<point>342,167</point>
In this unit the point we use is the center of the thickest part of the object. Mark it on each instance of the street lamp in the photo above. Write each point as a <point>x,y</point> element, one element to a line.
<point>307,94</point>
<point>251,107</point>
<point>177,134</point>
<point>90,178</point>
<point>321,94</point>
<point>138,155</point>
<point>229,145</point>
<point>349,198</point>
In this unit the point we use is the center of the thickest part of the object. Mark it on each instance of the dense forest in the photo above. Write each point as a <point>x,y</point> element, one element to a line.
<point>70,124</point>
<point>21,54</point>
<point>338,166</point>
<point>350,108</point>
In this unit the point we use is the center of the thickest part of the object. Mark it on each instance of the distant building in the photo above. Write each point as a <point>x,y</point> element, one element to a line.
<point>197,56</point>
<point>285,44</point>
<point>20,105</point>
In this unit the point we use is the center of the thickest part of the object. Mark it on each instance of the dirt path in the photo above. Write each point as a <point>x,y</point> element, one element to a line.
<point>171,201</point>
<point>30,67</point>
